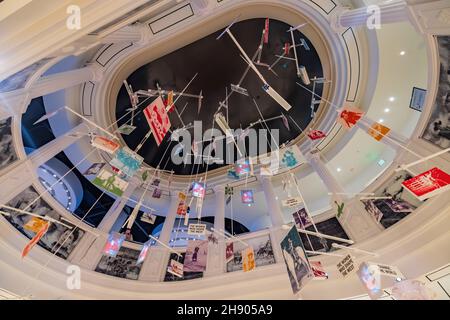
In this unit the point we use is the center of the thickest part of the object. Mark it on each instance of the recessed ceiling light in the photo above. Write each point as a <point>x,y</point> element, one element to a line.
<point>249,204</point>
<point>391,99</point>
<point>381,120</point>
<point>387,110</point>
<point>402,53</point>
<point>381,162</point>
<point>338,169</point>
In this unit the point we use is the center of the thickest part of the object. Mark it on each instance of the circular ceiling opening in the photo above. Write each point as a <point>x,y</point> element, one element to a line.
<point>219,65</point>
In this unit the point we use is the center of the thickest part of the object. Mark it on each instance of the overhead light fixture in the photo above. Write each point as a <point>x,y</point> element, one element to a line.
<point>338,169</point>
<point>387,110</point>
<point>381,162</point>
<point>402,53</point>
<point>392,99</point>
<point>381,120</point>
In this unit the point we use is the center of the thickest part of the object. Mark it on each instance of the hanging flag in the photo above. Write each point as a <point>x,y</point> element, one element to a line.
<point>157,119</point>
<point>144,252</point>
<point>94,169</point>
<point>105,144</point>
<point>316,135</point>
<point>35,224</point>
<point>248,259</point>
<point>197,229</point>
<point>378,131</point>
<point>247,196</point>
<point>266,31</point>
<point>156,182</point>
<point>287,47</point>
<point>318,270</point>
<point>349,116</point>
<point>35,239</point>
<point>285,122</point>
<point>113,244</point>
<point>229,252</point>
<point>229,192</point>
<point>428,184</point>
<point>110,182</point>
<point>340,209</point>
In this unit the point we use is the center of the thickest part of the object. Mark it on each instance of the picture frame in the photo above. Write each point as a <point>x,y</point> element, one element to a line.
<point>418,99</point>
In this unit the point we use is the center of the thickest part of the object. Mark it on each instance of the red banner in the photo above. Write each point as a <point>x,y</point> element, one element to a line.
<point>157,119</point>
<point>428,184</point>
<point>266,31</point>
<point>316,135</point>
<point>35,239</point>
<point>349,116</point>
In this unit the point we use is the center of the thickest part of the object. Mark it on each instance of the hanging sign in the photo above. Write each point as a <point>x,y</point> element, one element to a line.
<point>266,31</point>
<point>157,119</point>
<point>370,276</point>
<point>105,144</point>
<point>316,135</point>
<point>378,131</point>
<point>113,245</point>
<point>428,184</point>
<point>35,239</point>
<point>197,229</point>
<point>349,116</point>
<point>175,268</point>
<point>346,266</point>
<point>291,202</point>
<point>248,259</point>
<point>127,161</point>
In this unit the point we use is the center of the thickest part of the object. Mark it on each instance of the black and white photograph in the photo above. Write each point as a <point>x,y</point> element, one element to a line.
<point>297,264</point>
<point>94,169</point>
<point>121,266</point>
<point>262,247</point>
<point>58,238</point>
<point>7,152</point>
<point>398,203</point>
<point>438,128</point>
<point>186,275</point>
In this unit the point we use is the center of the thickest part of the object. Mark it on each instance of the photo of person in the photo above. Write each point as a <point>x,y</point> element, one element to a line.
<point>297,264</point>
<point>438,128</point>
<point>262,248</point>
<point>7,152</point>
<point>58,238</point>
<point>301,219</point>
<point>196,256</point>
<point>123,265</point>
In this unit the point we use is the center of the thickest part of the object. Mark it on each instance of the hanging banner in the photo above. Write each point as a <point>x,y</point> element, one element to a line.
<point>316,135</point>
<point>229,252</point>
<point>248,259</point>
<point>370,276</point>
<point>266,31</point>
<point>157,119</point>
<point>198,189</point>
<point>291,202</point>
<point>247,196</point>
<point>349,116</point>
<point>94,169</point>
<point>428,184</point>
<point>297,264</point>
<point>35,239</point>
<point>127,161</point>
<point>301,219</point>
<point>378,131</point>
<point>35,224</point>
<point>105,144</point>
<point>144,252</point>
<point>175,268</point>
<point>318,270</point>
<point>113,244</point>
<point>346,266</point>
<point>196,256</point>
<point>110,182</point>
<point>197,229</point>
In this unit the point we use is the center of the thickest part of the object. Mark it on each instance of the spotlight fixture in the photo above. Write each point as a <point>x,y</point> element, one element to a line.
<point>381,120</point>
<point>338,169</point>
<point>392,99</point>
<point>387,110</point>
<point>402,53</point>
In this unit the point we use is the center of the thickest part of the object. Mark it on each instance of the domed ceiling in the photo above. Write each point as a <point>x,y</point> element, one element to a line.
<point>219,64</point>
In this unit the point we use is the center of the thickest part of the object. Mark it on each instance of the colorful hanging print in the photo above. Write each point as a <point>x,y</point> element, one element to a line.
<point>229,252</point>
<point>105,144</point>
<point>198,189</point>
<point>35,239</point>
<point>113,245</point>
<point>428,184</point>
<point>349,116</point>
<point>196,256</point>
<point>316,135</point>
<point>243,168</point>
<point>144,252</point>
<point>378,131</point>
<point>157,119</point>
<point>247,196</point>
<point>291,157</point>
<point>175,268</point>
<point>110,182</point>
<point>318,270</point>
<point>248,259</point>
<point>127,161</point>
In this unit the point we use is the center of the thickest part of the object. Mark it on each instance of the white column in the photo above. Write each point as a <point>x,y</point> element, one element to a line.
<point>355,221</point>
<point>216,252</point>
<point>155,265</point>
<point>390,12</point>
<point>89,251</point>
<point>18,178</point>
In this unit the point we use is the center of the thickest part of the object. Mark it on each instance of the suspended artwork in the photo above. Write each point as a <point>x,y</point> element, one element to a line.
<point>110,182</point>
<point>297,264</point>
<point>35,224</point>
<point>127,161</point>
<point>175,268</point>
<point>94,169</point>
<point>346,266</point>
<point>144,252</point>
<point>105,144</point>
<point>428,184</point>
<point>229,252</point>
<point>349,116</point>
<point>157,119</point>
<point>198,189</point>
<point>43,230</point>
<point>378,131</point>
<point>318,270</point>
<point>301,219</point>
<point>248,259</point>
<point>370,276</point>
<point>316,135</point>
<point>113,244</point>
<point>195,258</point>
<point>247,196</point>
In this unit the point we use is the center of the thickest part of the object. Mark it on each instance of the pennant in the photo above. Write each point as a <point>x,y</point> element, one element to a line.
<point>316,135</point>
<point>285,122</point>
<point>349,116</point>
<point>113,244</point>
<point>248,259</point>
<point>229,191</point>
<point>105,144</point>
<point>229,252</point>
<point>266,31</point>
<point>35,224</point>
<point>428,184</point>
<point>157,119</point>
<point>247,196</point>
<point>144,252</point>
<point>378,131</point>
<point>35,239</point>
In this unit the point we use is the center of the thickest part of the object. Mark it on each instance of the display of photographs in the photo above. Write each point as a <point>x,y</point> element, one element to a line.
<point>148,218</point>
<point>126,129</point>
<point>262,247</point>
<point>110,182</point>
<point>229,252</point>
<point>58,237</point>
<point>127,161</point>
<point>399,203</point>
<point>196,256</point>
<point>7,152</point>
<point>122,266</point>
<point>248,259</point>
<point>175,268</point>
<point>418,99</point>
<point>302,219</point>
<point>437,130</point>
<point>198,189</point>
<point>94,169</point>
<point>247,196</point>
<point>113,244</point>
<point>105,144</point>
<point>297,264</point>
<point>144,252</point>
